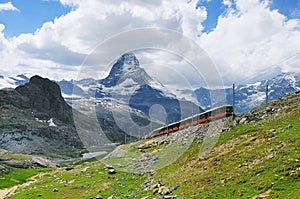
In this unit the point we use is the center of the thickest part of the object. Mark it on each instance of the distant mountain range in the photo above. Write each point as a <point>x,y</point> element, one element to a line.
<point>133,90</point>
<point>128,103</point>
<point>249,96</point>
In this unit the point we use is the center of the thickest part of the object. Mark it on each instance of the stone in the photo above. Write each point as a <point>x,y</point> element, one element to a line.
<point>69,168</point>
<point>108,166</point>
<point>4,159</point>
<point>55,190</point>
<point>99,197</point>
<point>163,190</point>
<point>243,120</point>
<point>170,196</point>
<point>3,170</point>
<point>16,164</point>
<point>111,171</point>
<point>43,162</point>
<point>148,144</point>
<point>84,169</point>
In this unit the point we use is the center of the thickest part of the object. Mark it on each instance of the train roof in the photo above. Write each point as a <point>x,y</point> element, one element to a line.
<point>190,117</point>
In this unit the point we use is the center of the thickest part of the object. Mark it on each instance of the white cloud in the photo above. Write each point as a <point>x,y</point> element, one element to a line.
<point>251,39</point>
<point>246,40</point>
<point>64,42</point>
<point>227,3</point>
<point>8,6</point>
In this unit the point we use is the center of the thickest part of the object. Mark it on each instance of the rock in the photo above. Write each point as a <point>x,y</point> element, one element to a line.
<point>84,169</point>
<point>111,171</point>
<point>99,197</point>
<point>43,162</point>
<point>3,170</point>
<point>110,197</point>
<point>55,190</point>
<point>289,126</point>
<point>108,167</point>
<point>148,144</point>
<point>40,195</point>
<point>273,131</point>
<point>170,196</point>
<point>16,164</point>
<point>163,190</point>
<point>4,159</point>
<point>243,120</point>
<point>69,168</point>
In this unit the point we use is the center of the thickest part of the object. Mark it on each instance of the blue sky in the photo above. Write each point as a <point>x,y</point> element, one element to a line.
<point>216,8</point>
<point>242,37</point>
<point>31,15</point>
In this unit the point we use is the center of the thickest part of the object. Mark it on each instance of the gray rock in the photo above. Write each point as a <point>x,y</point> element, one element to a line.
<point>3,170</point>
<point>43,162</point>
<point>111,171</point>
<point>243,120</point>
<point>4,158</point>
<point>16,164</point>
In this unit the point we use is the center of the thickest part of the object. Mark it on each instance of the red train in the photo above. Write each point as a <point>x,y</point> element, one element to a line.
<point>207,116</point>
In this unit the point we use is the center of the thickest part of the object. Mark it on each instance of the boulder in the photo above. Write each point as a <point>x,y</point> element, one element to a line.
<point>43,162</point>
<point>148,144</point>
<point>3,170</point>
<point>17,164</point>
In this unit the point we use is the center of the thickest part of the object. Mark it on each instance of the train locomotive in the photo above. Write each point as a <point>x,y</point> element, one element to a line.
<point>207,116</point>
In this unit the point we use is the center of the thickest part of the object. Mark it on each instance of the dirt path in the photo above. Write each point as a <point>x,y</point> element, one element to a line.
<point>263,195</point>
<point>4,193</point>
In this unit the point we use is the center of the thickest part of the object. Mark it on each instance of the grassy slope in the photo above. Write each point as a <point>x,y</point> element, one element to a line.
<point>18,176</point>
<point>246,162</point>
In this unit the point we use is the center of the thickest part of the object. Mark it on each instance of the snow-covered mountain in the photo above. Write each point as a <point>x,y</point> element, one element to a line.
<point>128,88</point>
<point>249,96</point>
<point>128,84</point>
<point>13,82</point>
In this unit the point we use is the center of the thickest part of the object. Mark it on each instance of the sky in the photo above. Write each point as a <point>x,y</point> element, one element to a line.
<point>242,38</point>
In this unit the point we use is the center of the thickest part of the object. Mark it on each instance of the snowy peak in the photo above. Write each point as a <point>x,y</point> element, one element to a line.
<point>127,67</point>
<point>130,62</point>
<point>13,82</point>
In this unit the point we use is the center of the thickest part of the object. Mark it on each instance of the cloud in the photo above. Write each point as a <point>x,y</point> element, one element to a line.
<point>251,39</point>
<point>8,6</point>
<point>69,38</point>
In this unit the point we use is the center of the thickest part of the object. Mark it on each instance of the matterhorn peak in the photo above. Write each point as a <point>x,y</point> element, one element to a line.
<point>127,67</point>
<point>130,60</point>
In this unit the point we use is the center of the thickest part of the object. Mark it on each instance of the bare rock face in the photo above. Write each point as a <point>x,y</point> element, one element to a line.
<point>35,119</point>
<point>44,96</point>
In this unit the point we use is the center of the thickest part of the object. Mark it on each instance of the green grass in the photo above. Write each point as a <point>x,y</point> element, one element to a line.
<point>245,162</point>
<point>18,176</point>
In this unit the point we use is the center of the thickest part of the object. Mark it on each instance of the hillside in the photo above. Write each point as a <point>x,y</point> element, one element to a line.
<point>256,156</point>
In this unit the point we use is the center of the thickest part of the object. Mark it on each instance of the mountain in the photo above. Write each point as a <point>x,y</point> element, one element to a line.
<point>248,96</point>
<point>12,82</point>
<point>256,155</point>
<point>127,68</point>
<point>129,84</point>
<point>35,119</point>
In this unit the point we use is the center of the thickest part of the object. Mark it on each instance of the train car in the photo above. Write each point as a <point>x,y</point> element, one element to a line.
<point>207,116</point>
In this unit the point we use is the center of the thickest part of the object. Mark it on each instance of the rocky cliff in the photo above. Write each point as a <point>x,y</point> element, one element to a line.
<point>35,119</point>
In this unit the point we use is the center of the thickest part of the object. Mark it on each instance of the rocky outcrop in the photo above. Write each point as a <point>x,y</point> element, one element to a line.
<point>35,119</point>
<point>44,96</point>
<point>273,107</point>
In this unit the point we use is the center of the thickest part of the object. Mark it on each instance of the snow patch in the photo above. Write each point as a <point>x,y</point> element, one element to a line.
<point>51,123</point>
